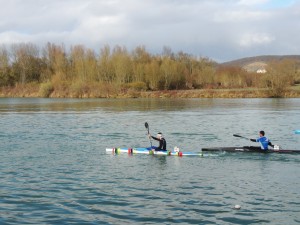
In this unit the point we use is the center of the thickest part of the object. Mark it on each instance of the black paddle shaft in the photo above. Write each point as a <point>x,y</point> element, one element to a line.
<point>236,135</point>
<point>147,127</point>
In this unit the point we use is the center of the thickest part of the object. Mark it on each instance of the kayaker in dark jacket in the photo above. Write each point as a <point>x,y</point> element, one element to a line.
<point>264,141</point>
<point>162,142</point>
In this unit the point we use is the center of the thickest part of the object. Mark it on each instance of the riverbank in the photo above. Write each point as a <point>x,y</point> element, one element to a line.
<point>221,93</point>
<point>34,90</point>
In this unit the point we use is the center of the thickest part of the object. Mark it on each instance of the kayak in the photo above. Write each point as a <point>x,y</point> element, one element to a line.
<point>149,151</point>
<point>248,149</point>
<point>297,131</point>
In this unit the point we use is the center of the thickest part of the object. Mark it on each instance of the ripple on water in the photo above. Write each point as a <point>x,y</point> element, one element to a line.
<point>54,169</point>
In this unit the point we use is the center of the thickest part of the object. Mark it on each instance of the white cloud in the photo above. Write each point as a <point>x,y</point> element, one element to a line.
<point>7,37</point>
<point>255,39</point>
<point>238,16</point>
<point>252,2</point>
<point>221,30</point>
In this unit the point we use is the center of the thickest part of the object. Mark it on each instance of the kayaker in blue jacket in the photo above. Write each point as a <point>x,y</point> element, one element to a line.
<point>162,142</point>
<point>264,141</point>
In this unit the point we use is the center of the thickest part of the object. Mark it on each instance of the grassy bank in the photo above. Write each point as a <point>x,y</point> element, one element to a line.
<point>220,93</point>
<point>104,91</point>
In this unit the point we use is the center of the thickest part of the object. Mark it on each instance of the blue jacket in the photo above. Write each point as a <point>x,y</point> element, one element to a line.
<point>264,142</point>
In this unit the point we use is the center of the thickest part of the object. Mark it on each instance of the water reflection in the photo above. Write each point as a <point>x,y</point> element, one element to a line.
<point>120,105</point>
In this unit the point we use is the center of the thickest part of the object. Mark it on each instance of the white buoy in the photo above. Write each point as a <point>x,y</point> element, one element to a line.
<point>237,207</point>
<point>176,149</point>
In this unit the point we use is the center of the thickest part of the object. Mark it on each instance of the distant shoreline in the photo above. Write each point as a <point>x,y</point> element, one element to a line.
<point>34,91</point>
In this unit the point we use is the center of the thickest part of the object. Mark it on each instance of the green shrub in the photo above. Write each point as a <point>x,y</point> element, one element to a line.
<point>46,89</point>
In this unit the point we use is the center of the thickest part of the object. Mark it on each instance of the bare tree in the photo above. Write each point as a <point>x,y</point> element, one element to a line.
<point>27,62</point>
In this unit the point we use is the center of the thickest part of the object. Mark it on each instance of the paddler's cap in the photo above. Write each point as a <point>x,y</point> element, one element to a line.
<point>159,135</point>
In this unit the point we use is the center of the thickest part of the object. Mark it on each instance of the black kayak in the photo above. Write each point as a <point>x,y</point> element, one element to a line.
<point>249,149</point>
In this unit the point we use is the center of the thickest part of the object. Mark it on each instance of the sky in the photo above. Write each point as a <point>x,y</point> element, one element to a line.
<point>221,30</point>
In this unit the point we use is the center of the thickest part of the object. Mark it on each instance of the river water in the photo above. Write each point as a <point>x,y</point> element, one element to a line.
<point>54,168</point>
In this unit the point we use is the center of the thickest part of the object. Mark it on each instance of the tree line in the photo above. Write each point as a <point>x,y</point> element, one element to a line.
<point>140,70</point>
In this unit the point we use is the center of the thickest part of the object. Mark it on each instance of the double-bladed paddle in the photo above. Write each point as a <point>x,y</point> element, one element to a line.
<point>236,135</point>
<point>147,127</point>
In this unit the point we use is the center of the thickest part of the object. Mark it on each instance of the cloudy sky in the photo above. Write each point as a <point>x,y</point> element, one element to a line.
<point>221,30</point>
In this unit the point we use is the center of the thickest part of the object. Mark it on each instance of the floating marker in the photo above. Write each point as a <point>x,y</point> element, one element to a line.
<point>237,207</point>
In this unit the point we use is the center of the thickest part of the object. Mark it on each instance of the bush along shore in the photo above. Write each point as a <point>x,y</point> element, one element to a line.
<point>47,90</point>
<point>28,70</point>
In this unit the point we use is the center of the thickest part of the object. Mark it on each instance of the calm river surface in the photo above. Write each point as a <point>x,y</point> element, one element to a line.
<point>54,168</point>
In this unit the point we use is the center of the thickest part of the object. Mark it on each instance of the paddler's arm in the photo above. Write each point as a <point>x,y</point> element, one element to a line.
<point>153,137</point>
<point>270,144</point>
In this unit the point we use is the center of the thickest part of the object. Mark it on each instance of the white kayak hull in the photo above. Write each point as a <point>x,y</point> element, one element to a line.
<point>148,151</point>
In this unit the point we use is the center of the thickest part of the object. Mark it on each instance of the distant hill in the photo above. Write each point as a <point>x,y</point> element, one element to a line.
<point>256,66</point>
<point>259,63</point>
<point>260,59</point>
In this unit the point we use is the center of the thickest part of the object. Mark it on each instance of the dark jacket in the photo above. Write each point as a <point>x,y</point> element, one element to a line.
<point>162,143</point>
